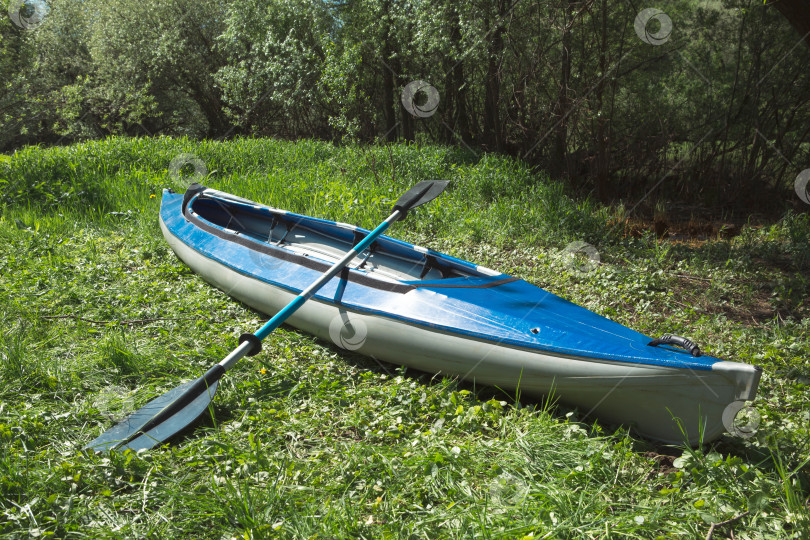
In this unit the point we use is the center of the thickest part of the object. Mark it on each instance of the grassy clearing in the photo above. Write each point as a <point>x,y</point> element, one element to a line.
<point>307,441</point>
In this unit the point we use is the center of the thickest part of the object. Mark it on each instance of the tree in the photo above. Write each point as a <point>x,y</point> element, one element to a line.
<point>277,53</point>
<point>155,62</point>
<point>16,111</point>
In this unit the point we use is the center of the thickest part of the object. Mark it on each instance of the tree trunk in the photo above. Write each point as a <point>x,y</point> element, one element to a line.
<point>602,142</point>
<point>388,97</point>
<point>492,121</point>
<point>408,127</point>
<point>558,166</point>
<point>389,100</point>
<point>455,94</point>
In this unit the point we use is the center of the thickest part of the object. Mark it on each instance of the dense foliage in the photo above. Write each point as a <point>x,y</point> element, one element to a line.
<point>707,103</point>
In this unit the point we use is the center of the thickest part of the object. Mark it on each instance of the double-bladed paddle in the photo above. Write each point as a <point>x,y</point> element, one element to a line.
<point>177,409</point>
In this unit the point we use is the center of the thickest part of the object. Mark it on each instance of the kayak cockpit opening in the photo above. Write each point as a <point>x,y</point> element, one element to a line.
<point>329,241</point>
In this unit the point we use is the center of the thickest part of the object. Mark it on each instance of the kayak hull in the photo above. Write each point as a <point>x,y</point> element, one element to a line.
<point>661,402</point>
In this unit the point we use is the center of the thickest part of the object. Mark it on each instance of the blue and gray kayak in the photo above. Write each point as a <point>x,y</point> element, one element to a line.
<point>412,306</point>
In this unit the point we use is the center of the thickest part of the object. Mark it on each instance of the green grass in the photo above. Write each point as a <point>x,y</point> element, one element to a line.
<point>307,441</point>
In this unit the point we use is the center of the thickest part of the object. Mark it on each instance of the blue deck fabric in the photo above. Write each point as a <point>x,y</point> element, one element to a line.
<point>505,313</point>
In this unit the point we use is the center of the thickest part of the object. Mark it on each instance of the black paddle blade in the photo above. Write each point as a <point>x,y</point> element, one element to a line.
<point>175,423</point>
<point>418,195</point>
<point>160,419</point>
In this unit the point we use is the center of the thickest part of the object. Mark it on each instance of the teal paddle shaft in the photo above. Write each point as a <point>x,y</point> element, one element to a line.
<point>282,315</point>
<point>246,347</point>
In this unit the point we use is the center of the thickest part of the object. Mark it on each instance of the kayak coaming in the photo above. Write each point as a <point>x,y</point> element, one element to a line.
<point>618,390</point>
